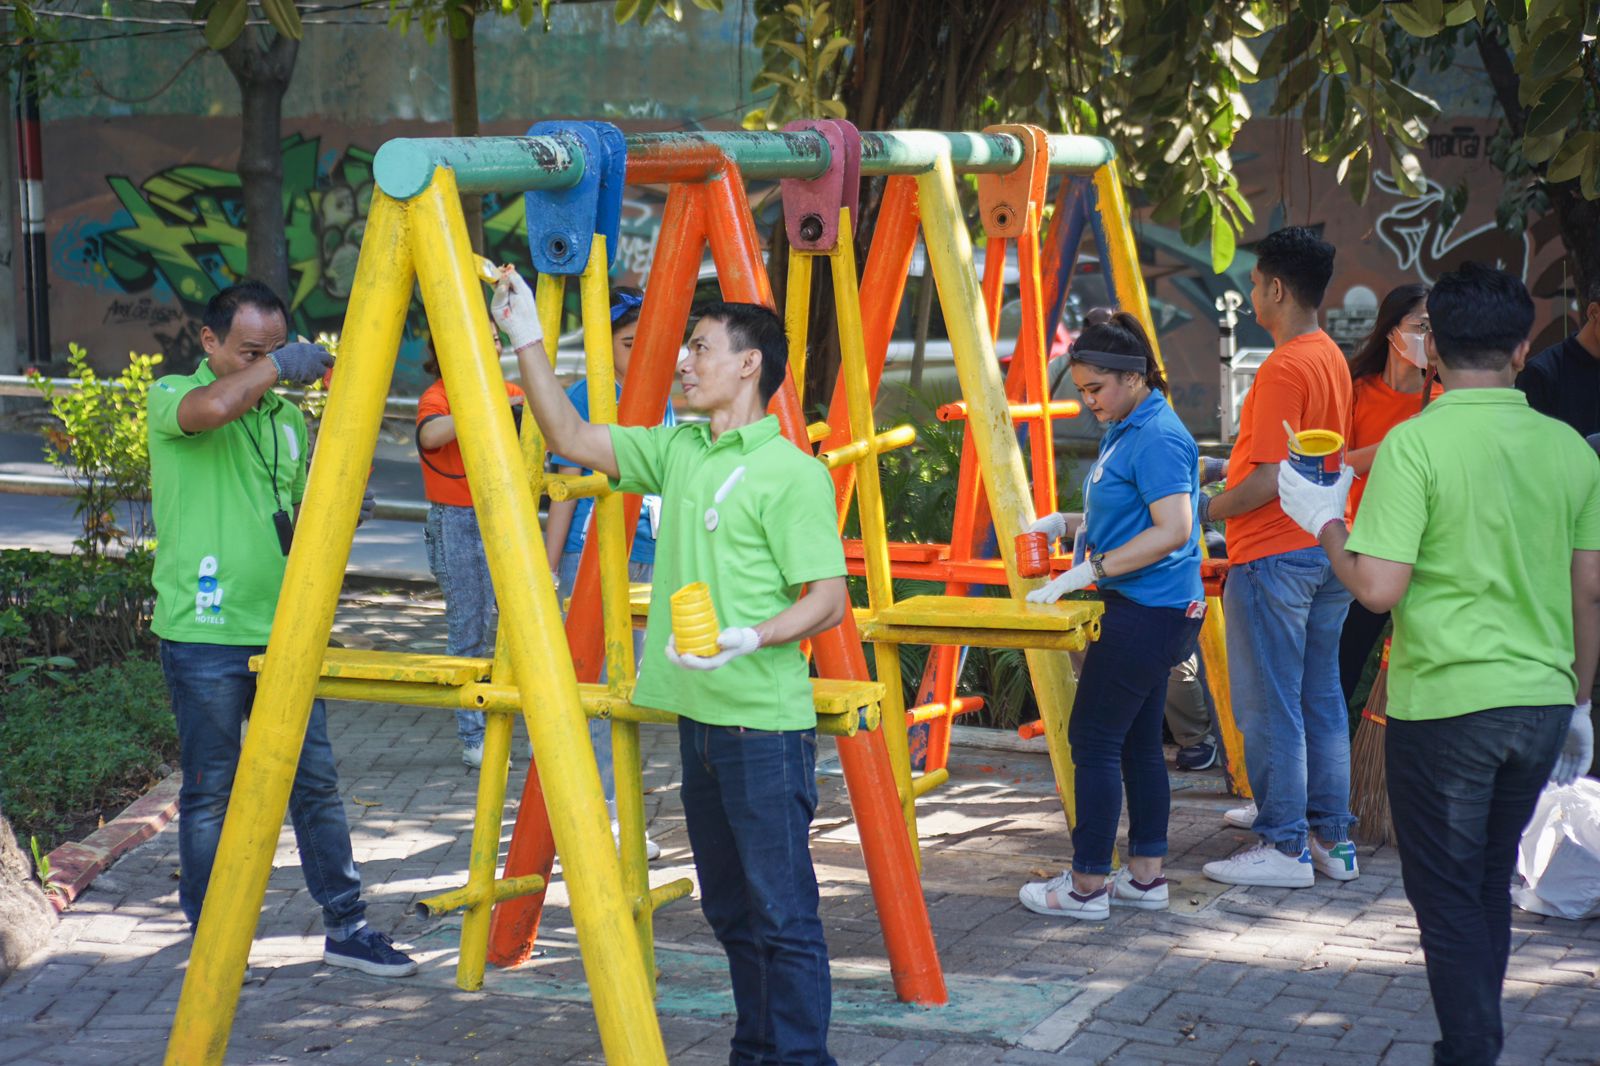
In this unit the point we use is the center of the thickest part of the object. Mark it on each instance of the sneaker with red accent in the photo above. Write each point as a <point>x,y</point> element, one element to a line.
<point>1055,898</point>
<point>1126,892</point>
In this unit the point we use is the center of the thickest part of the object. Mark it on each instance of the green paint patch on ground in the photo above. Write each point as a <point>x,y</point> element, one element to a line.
<point>695,984</point>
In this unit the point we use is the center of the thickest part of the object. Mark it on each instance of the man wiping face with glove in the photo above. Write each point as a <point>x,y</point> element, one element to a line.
<point>1480,530</point>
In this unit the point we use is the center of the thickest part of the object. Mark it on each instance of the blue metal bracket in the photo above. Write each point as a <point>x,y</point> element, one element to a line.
<point>562,222</point>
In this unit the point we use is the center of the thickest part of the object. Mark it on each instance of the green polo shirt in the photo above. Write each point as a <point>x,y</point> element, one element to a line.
<point>218,562</point>
<point>1487,500</point>
<point>775,530</point>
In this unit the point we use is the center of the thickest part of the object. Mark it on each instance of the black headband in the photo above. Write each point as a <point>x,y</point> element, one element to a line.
<point>1111,360</point>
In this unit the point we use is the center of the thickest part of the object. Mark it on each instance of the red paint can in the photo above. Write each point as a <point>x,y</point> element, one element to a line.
<point>1033,554</point>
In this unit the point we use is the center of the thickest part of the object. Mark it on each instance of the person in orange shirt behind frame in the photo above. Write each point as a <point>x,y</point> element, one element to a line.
<point>1284,609</point>
<point>1389,369</point>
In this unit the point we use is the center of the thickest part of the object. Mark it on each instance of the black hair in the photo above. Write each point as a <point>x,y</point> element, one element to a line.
<point>225,305</point>
<point>1373,354</point>
<point>753,326</point>
<point>1120,333</point>
<point>1303,261</point>
<point>631,315</point>
<point>1479,316</point>
<point>1591,294</point>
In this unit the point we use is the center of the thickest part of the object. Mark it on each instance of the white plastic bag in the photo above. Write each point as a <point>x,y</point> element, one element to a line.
<point>1558,862</point>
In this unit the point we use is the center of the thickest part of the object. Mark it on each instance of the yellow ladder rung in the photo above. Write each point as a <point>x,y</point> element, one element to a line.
<point>857,450</point>
<point>503,888</point>
<point>369,665</point>
<point>576,486</point>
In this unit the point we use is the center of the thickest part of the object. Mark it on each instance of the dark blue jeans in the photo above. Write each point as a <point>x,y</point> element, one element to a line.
<point>748,799</point>
<point>455,555</point>
<point>1115,730</point>
<point>212,689</point>
<point>1462,790</point>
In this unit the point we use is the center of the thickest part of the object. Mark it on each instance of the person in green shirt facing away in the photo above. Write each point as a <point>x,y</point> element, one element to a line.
<point>1480,530</point>
<point>753,517</point>
<point>228,461</point>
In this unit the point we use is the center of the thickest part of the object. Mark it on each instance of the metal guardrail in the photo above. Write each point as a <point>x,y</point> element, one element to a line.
<point>22,385</point>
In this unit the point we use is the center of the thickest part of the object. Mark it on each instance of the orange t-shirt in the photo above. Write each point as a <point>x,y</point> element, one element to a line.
<point>1377,409</point>
<point>444,477</point>
<point>1306,383</point>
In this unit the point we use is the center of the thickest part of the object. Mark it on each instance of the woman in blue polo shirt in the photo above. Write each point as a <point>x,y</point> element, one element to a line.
<point>1143,554</point>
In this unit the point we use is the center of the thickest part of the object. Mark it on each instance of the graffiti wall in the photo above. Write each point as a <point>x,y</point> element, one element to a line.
<point>145,225</point>
<point>1389,241</point>
<point>137,258</point>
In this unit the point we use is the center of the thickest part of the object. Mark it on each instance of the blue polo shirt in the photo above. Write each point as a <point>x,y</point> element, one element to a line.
<point>1146,457</point>
<point>644,540</point>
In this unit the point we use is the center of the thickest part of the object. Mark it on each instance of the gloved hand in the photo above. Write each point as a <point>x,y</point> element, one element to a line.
<point>734,642</point>
<point>301,362</point>
<point>1212,469</point>
<point>369,504</point>
<point>1059,526</point>
<point>1577,751</point>
<point>1310,505</point>
<point>514,311</point>
<point>1077,579</point>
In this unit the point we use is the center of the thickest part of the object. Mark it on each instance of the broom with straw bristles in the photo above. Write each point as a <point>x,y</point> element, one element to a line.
<point>1369,783</point>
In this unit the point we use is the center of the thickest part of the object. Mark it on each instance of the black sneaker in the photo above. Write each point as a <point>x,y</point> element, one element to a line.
<point>1201,756</point>
<point>369,951</point>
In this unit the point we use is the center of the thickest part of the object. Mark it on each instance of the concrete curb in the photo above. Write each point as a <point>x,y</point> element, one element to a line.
<point>73,867</point>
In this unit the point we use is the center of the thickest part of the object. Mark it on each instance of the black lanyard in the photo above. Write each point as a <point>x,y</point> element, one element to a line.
<point>280,517</point>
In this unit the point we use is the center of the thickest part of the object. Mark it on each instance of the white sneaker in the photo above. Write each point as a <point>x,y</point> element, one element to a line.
<point>1126,892</point>
<point>1241,817</point>
<point>652,850</point>
<point>1056,899</point>
<point>472,756</point>
<point>1264,865</point>
<point>1337,862</point>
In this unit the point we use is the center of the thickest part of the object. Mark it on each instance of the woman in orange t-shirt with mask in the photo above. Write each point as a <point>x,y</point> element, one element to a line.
<point>1388,370</point>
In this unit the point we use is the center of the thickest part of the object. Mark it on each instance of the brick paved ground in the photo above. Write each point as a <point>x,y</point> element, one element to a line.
<point>1330,974</point>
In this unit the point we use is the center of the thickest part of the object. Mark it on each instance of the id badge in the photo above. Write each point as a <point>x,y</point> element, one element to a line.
<point>285,527</point>
<point>1080,543</point>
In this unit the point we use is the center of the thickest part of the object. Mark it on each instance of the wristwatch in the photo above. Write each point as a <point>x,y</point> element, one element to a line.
<point>1097,563</point>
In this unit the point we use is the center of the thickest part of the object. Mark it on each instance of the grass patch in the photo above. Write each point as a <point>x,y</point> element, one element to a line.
<point>79,750</point>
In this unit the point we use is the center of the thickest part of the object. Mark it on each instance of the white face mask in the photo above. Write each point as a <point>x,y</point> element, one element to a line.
<point>1410,347</point>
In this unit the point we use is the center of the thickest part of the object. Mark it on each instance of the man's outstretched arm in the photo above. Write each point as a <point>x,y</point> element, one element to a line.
<point>565,433</point>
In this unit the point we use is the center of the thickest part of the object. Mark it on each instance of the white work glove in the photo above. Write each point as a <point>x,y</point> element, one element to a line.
<point>1077,579</point>
<point>1577,751</point>
<point>1058,526</point>
<point>514,311</point>
<point>1310,505</point>
<point>734,642</point>
<point>369,504</point>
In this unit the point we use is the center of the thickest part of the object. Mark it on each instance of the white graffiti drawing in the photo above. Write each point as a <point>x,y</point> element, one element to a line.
<point>1411,230</point>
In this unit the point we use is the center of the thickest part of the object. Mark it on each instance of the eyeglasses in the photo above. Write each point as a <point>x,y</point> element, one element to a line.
<point>1421,328</point>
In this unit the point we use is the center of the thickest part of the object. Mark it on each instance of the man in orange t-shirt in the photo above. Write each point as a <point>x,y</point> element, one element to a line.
<point>1284,608</point>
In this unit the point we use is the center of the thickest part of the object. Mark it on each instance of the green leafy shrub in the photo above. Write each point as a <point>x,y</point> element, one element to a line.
<point>101,445</point>
<point>82,749</point>
<point>93,610</point>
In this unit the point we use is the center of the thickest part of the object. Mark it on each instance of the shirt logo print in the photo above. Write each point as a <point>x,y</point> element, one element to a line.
<point>208,600</point>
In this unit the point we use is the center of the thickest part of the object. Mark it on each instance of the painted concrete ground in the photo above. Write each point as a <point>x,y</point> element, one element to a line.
<point>1330,974</point>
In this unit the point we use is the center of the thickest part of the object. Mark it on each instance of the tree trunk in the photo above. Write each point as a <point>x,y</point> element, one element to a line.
<point>263,75</point>
<point>462,46</point>
<point>26,916</point>
<point>948,107</point>
<point>1577,218</point>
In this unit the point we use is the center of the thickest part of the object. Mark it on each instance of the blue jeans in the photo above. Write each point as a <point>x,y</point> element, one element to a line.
<point>455,555</point>
<point>748,799</point>
<point>1284,616</point>
<point>1462,790</point>
<point>1115,730</point>
<point>212,689</point>
<point>600,728</point>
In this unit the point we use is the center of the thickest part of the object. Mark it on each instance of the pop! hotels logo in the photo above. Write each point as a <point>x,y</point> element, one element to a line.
<point>208,600</point>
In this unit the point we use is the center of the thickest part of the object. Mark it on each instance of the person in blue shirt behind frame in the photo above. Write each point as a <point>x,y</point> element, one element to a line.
<point>1143,547</point>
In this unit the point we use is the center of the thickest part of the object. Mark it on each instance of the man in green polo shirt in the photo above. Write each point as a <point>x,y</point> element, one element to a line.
<point>753,517</point>
<point>228,460</point>
<point>1480,530</point>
